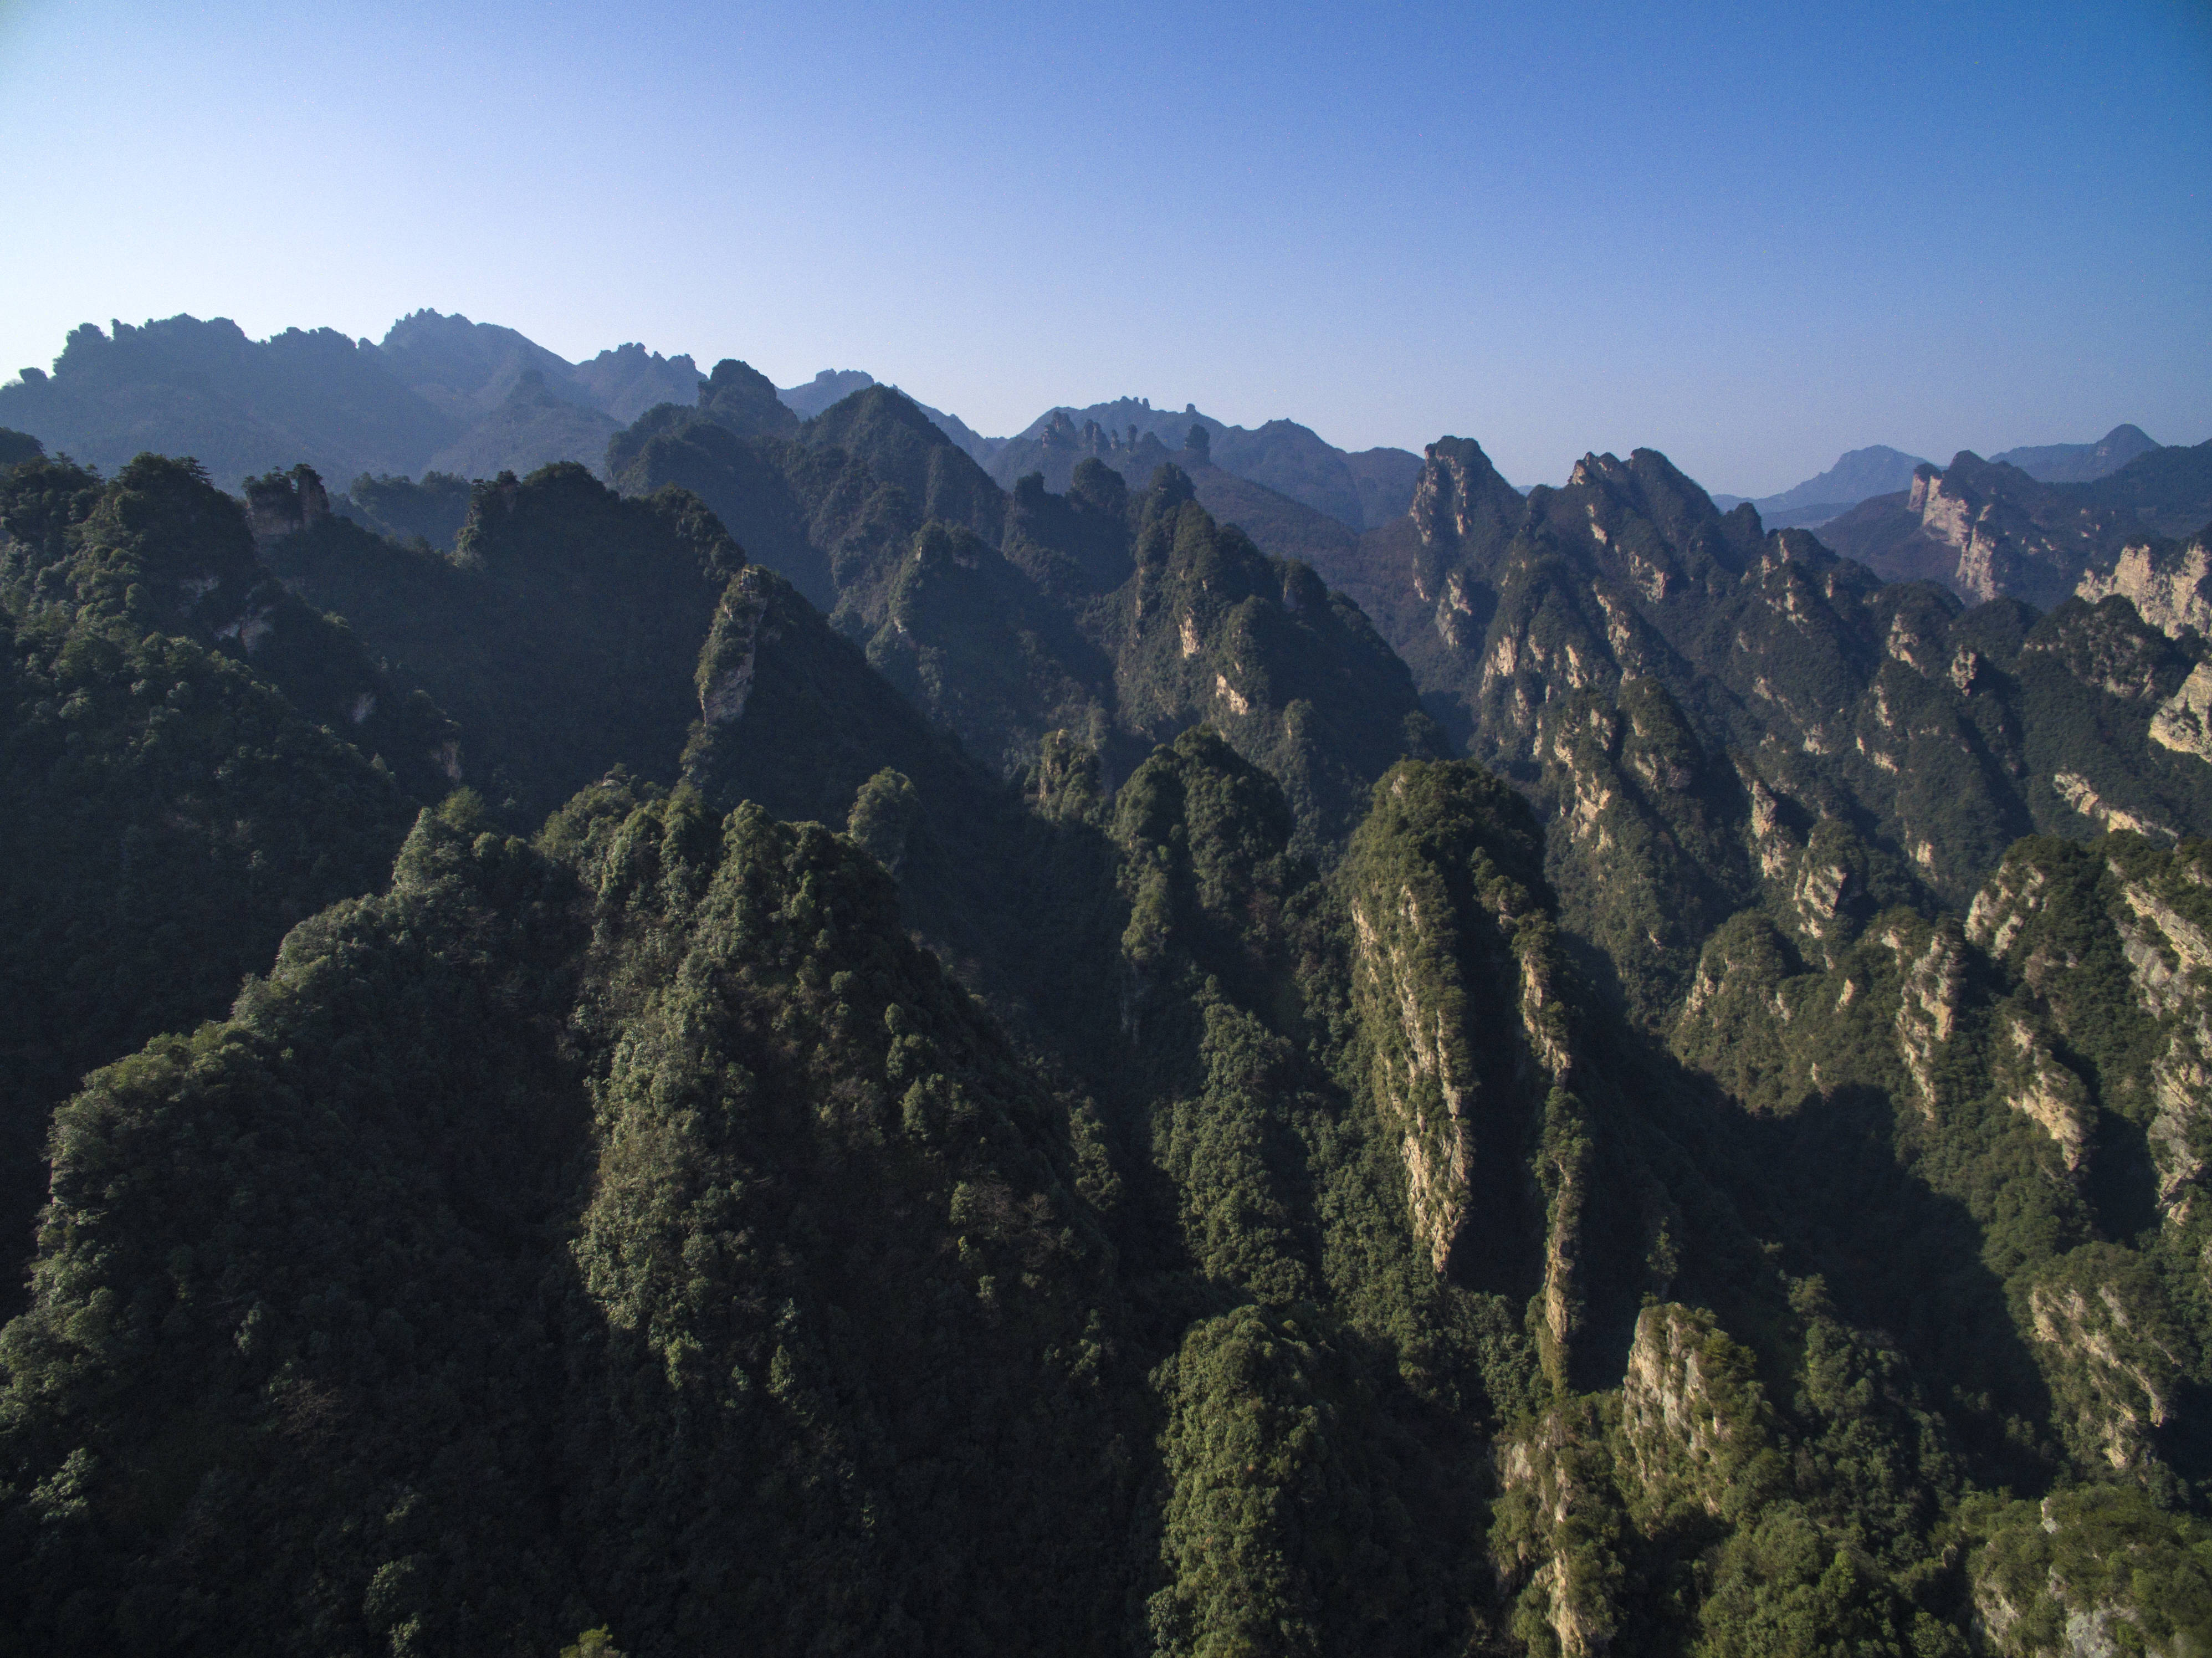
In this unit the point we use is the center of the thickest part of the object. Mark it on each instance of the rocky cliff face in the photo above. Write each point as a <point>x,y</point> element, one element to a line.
<point>1436,935</point>
<point>2170,585</point>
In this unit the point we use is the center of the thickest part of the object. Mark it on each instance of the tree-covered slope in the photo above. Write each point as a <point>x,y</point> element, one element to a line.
<point>192,762</point>
<point>562,634</point>
<point>550,1356</point>
<point>2043,1069</point>
<point>641,1232</point>
<point>431,509</point>
<point>531,427</point>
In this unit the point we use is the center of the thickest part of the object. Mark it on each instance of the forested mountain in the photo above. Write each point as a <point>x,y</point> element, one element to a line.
<point>562,634</point>
<point>177,791</point>
<point>1284,461</point>
<point>431,510</point>
<point>1713,712</point>
<point>440,392</point>
<point>862,1060</point>
<point>533,426</point>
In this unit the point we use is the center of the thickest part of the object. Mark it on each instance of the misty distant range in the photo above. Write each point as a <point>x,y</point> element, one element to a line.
<point>442,395</point>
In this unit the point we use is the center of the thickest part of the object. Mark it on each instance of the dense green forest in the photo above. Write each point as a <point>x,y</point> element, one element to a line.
<point>807,1054</point>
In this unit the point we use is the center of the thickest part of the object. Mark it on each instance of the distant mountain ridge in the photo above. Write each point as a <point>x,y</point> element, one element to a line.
<point>440,393</point>
<point>1987,529</point>
<point>1359,490</point>
<point>1862,474</point>
<point>2081,463</point>
<point>1856,475</point>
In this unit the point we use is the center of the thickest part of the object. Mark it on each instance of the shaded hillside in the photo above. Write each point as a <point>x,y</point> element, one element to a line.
<point>1282,526</point>
<point>828,387</point>
<point>402,509</point>
<point>469,369</point>
<point>1005,618</point>
<point>2168,490</point>
<point>835,384</point>
<point>192,762</point>
<point>1385,479</point>
<point>629,379</point>
<point>533,426</point>
<point>561,635</point>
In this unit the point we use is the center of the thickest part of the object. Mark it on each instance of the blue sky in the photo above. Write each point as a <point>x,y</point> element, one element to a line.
<point>1750,236</point>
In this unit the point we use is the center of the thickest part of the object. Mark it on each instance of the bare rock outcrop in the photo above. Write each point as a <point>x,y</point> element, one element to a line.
<point>2170,590</point>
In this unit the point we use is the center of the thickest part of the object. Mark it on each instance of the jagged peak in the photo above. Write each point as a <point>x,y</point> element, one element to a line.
<point>1457,481</point>
<point>874,404</point>
<point>1169,487</point>
<point>730,375</point>
<point>1594,468</point>
<point>1653,465</point>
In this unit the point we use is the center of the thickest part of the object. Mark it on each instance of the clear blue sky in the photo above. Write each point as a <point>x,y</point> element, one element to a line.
<point>1750,236</point>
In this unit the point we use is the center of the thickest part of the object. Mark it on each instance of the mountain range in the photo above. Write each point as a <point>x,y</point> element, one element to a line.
<point>767,1040</point>
<point>1880,470</point>
<point>1987,528</point>
<point>464,400</point>
<point>439,393</point>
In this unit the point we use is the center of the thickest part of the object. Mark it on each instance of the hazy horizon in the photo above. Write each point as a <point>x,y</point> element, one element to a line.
<point>1753,241</point>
